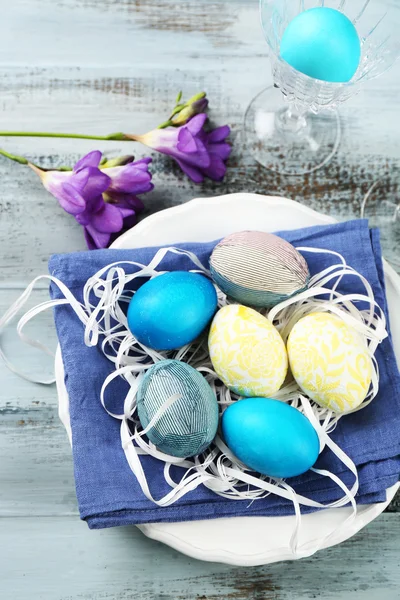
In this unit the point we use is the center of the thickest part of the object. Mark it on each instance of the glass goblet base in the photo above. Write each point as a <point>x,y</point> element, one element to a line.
<point>288,142</point>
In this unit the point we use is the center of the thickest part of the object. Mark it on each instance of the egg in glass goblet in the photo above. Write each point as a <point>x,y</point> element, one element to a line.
<point>293,127</point>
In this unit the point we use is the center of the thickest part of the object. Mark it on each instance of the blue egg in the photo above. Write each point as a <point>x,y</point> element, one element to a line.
<point>270,437</point>
<point>172,310</point>
<point>322,43</point>
<point>188,425</point>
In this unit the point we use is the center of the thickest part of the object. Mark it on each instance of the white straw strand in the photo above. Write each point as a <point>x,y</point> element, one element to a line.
<point>105,324</point>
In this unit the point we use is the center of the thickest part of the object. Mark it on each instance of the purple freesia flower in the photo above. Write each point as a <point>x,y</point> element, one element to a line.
<point>100,220</point>
<point>74,188</point>
<point>199,153</point>
<point>127,181</point>
<point>103,199</point>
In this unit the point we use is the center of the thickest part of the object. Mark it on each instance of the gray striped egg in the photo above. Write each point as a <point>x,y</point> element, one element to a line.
<point>258,269</point>
<point>188,425</point>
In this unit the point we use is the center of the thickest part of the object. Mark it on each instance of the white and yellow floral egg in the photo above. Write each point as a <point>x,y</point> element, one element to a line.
<point>247,352</point>
<point>330,362</point>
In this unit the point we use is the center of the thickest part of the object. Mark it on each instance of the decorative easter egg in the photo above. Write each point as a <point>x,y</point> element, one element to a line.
<point>322,43</point>
<point>189,425</point>
<point>270,437</point>
<point>172,310</point>
<point>258,269</point>
<point>329,361</point>
<point>247,352</point>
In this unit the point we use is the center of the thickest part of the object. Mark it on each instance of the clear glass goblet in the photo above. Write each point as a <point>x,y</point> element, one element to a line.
<point>293,127</point>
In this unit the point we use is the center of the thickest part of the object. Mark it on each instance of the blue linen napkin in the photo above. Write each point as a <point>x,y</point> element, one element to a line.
<point>108,493</point>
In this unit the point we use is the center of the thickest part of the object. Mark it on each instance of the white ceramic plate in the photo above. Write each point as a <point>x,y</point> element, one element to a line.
<point>244,541</point>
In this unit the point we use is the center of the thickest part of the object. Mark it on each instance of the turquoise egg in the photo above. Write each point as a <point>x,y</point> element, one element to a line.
<point>189,425</point>
<point>172,310</point>
<point>270,437</point>
<point>322,43</point>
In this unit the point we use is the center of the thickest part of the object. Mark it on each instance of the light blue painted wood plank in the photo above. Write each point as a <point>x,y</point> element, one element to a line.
<point>36,471</point>
<point>108,32</point>
<point>36,474</point>
<point>18,392</point>
<point>60,559</point>
<point>101,66</point>
<point>132,89</point>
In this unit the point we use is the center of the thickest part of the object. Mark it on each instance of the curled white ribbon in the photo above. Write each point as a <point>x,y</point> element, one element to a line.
<point>105,323</point>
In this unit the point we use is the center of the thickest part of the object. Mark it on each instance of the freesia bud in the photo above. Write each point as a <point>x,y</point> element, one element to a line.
<point>119,161</point>
<point>196,105</point>
<point>183,112</point>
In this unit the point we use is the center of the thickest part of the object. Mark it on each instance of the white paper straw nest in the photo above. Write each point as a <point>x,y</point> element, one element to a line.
<point>105,323</point>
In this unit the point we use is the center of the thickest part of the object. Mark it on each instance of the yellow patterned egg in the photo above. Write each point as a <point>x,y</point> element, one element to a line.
<point>247,351</point>
<point>329,361</point>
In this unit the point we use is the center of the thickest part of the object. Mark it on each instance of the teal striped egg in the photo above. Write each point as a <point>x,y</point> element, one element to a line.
<point>258,269</point>
<point>189,425</point>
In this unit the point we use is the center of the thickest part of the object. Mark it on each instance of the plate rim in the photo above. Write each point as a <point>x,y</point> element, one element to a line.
<point>172,211</point>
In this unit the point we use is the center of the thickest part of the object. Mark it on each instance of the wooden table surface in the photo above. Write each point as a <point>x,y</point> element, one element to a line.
<point>99,66</point>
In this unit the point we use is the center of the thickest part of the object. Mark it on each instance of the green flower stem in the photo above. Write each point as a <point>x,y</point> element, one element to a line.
<point>24,161</point>
<point>168,123</point>
<point>15,157</point>
<point>46,134</point>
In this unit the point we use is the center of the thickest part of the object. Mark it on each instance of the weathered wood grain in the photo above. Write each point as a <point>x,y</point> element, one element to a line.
<point>116,65</point>
<point>29,360</point>
<point>183,28</point>
<point>63,560</point>
<point>72,82</point>
<point>36,474</point>
<point>337,189</point>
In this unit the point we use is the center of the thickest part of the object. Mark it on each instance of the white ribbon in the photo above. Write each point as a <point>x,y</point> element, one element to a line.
<point>217,468</point>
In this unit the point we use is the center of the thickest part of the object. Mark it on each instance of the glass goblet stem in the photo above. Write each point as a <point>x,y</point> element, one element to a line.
<point>291,120</point>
